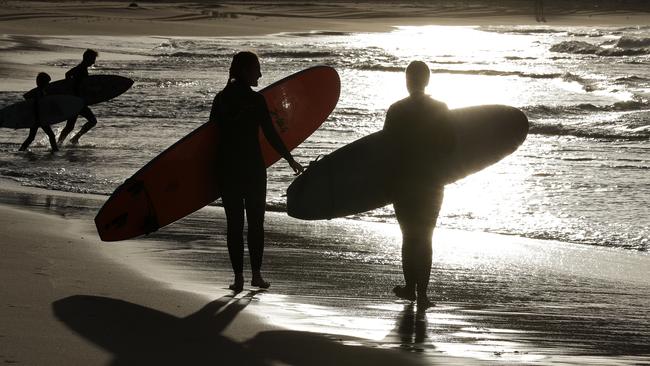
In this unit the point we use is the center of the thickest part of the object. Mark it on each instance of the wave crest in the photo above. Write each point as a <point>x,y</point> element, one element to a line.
<point>586,48</point>
<point>298,54</point>
<point>560,129</point>
<point>633,42</point>
<point>624,106</point>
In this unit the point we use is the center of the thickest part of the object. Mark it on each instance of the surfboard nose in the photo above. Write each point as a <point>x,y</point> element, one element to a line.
<point>518,123</point>
<point>301,203</point>
<point>294,197</point>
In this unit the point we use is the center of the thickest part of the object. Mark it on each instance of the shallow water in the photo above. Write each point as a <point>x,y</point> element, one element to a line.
<point>580,177</point>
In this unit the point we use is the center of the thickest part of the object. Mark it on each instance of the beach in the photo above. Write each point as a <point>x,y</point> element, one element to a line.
<point>569,289</point>
<point>69,298</point>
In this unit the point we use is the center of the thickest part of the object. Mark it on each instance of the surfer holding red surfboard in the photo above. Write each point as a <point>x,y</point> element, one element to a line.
<point>239,113</point>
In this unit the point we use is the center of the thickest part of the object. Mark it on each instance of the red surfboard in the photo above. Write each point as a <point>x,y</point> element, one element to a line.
<point>183,178</point>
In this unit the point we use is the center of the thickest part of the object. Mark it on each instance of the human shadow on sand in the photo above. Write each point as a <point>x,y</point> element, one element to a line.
<point>410,329</point>
<point>137,335</point>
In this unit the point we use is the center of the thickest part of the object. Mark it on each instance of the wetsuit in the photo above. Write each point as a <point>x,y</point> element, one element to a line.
<point>419,133</point>
<point>77,74</point>
<point>37,94</point>
<point>240,112</point>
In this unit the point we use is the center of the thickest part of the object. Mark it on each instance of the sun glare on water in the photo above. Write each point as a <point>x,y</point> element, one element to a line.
<point>456,56</point>
<point>463,61</point>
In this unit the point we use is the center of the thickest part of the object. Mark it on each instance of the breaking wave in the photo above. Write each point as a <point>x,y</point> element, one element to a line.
<point>298,54</point>
<point>624,106</point>
<point>316,34</point>
<point>592,133</point>
<point>633,42</point>
<point>521,30</point>
<point>586,48</point>
<point>487,72</point>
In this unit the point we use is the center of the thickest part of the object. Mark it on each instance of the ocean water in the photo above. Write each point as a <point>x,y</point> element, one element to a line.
<point>581,176</point>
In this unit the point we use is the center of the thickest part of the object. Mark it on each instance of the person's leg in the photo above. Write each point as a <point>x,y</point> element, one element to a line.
<point>417,213</point>
<point>234,206</point>
<point>91,122</point>
<point>403,211</point>
<point>29,139</point>
<point>50,135</point>
<point>424,224</point>
<point>69,126</point>
<point>255,210</point>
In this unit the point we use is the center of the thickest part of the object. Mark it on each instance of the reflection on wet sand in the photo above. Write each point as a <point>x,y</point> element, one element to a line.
<point>499,298</point>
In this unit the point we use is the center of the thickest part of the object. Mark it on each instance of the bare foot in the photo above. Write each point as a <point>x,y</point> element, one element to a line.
<point>259,282</point>
<point>238,285</point>
<point>424,303</point>
<point>404,293</point>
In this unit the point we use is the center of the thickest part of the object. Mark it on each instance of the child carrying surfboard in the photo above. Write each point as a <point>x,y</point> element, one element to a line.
<point>42,81</point>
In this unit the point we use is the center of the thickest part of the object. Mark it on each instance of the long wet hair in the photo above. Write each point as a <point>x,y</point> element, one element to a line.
<point>240,62</point>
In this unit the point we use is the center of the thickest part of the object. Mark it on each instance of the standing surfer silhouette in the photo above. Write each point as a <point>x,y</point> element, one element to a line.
<point>418,129</point>
<point>240,112</point>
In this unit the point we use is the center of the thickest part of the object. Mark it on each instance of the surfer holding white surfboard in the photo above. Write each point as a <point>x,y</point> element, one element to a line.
<point>416,201</point>
<point>240,112</point>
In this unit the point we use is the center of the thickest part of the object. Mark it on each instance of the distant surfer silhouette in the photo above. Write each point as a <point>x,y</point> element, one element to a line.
<point>240,112</point>
<point>77,74</point>
<point>42,81</point>
<point>419,132</point>
<point>539,11</point>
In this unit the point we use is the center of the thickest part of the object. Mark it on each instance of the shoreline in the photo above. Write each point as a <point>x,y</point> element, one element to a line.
<point>23,24</point>
<point>482,315</point>
<point>70,299</point>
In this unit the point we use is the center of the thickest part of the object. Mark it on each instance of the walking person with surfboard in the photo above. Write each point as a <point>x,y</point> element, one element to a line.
<point>410,125</point>
<point>42,80</point>
<point>240,112</point>
<point>77,74</point>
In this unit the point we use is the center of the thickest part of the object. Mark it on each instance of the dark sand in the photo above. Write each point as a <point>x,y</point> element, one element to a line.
<point>498,298</point>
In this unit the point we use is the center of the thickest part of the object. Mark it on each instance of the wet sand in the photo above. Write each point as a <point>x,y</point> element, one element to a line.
<point>68,299</point>
<point>499,298</point>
